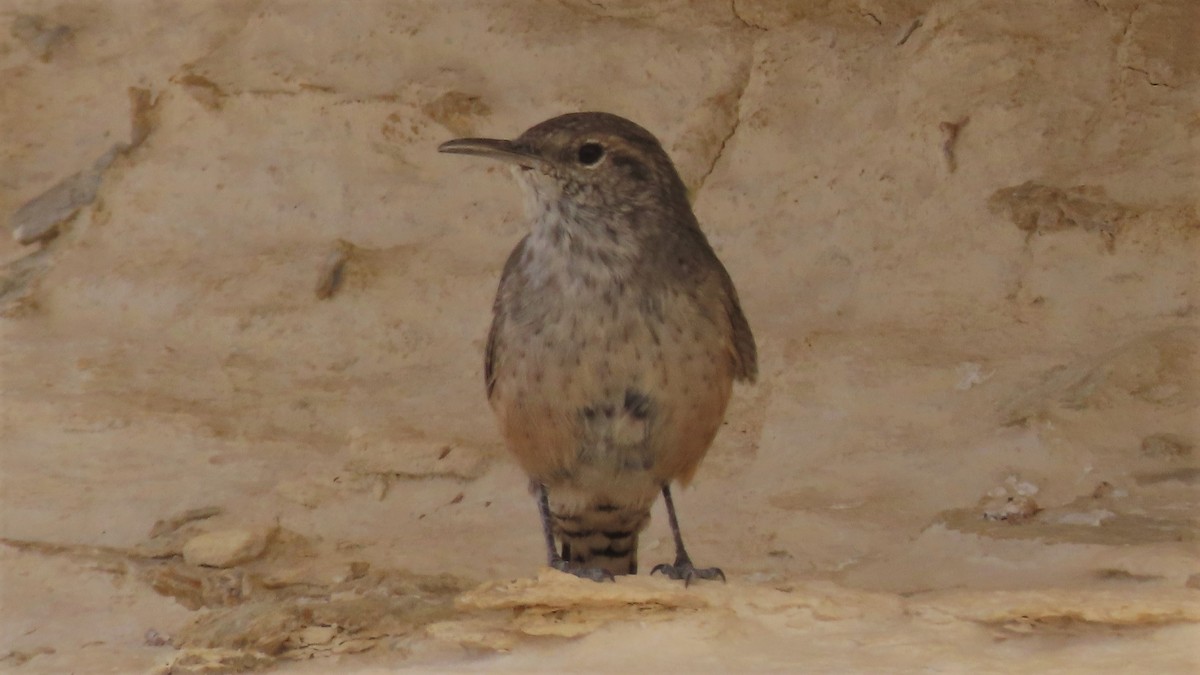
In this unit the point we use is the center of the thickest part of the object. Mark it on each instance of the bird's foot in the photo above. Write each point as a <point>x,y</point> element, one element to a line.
<point>684,569</point>
<point>593,573</point>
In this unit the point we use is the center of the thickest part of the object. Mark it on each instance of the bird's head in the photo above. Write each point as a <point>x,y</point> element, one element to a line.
<point>587,162</point>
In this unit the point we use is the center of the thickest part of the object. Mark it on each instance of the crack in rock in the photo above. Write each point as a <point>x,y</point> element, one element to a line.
<point>868,15</point>
<point>1122,48</point>
<point>743,20</point>
<point>909,30</point>
<point>737,121</point>
<point>1148,78</point>
<point>640,13</point>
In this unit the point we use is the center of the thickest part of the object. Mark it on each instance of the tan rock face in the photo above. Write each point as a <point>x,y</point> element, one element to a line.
<point>224,548</point>
<point>965,233</point>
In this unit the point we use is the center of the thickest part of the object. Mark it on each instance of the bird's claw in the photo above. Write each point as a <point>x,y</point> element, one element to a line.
<point>593,573</point>
<point>684,569</point>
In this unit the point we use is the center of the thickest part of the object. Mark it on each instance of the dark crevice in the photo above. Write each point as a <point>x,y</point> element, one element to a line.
<point>1148,78</point>
<point>742,20</point>
<point>737,121</point>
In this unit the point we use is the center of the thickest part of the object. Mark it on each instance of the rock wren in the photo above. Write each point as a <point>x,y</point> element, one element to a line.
<point>615,340</point>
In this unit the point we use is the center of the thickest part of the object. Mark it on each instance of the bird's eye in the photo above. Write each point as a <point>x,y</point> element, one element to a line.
<point>590,153</point>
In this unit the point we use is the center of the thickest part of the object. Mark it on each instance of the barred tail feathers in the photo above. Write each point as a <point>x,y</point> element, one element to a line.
<point>602,536</point>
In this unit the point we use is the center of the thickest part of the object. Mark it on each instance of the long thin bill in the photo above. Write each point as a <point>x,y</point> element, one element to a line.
<point>489,147</point>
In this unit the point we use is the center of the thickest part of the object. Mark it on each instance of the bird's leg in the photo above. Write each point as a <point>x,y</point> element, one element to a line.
<point>553,559</point>
<point>683,567</point>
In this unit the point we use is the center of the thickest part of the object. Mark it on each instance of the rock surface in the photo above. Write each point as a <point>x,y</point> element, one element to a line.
<point>964,231</point>
<point>224,548</point>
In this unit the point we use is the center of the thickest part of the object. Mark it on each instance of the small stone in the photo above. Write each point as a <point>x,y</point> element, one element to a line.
<point>224,548</point>
<point>1013,510</point>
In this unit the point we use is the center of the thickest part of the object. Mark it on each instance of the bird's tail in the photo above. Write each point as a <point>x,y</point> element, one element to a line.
<point>603,536</point>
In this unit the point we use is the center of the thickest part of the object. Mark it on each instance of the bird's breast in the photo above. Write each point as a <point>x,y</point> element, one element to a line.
<point>603,366</point>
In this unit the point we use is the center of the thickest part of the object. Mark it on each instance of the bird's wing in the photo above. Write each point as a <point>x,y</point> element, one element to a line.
<point>506,278</point>
<point>745,351</point>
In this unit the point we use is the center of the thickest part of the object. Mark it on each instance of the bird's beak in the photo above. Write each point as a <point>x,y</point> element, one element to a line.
<point>494,148</point>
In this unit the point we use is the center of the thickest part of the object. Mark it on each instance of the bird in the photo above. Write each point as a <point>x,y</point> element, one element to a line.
<point>616,337</point>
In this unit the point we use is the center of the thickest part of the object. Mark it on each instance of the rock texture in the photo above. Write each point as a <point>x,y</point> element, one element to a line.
<point>224,548</point>
<point>965,233</point>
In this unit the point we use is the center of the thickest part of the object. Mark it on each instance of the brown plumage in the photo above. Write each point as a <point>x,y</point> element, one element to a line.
<point>616,337</point>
